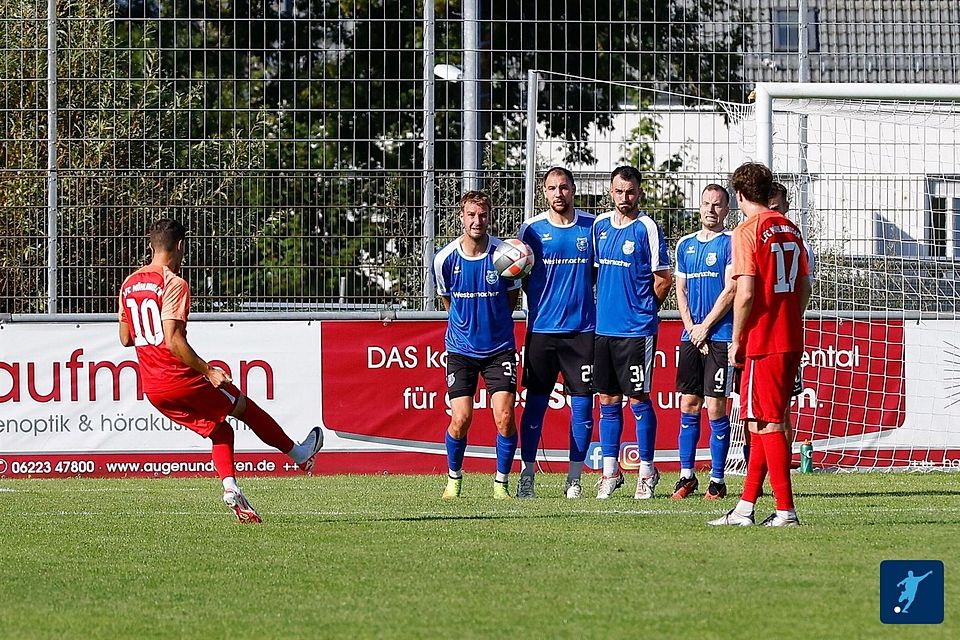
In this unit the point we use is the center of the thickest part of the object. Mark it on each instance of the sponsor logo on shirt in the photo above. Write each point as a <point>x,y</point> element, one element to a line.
<point>628,247</point>
<point>546,237</point>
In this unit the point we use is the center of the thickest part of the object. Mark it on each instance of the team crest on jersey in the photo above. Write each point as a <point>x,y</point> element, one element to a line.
<point>711,259</point>
<point>581,244</point>
<point>628,247</point>
<point>492,277</point>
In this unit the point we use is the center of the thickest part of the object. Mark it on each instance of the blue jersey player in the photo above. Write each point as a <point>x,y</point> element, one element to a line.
<point>479,339</point>
<point>633,279</point>
<point>705,291</point>
<point>560,321</point>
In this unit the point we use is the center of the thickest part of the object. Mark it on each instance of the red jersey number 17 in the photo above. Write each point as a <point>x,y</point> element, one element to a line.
<point>784,253</point>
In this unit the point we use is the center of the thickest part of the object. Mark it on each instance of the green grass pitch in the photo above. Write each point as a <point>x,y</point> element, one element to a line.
<point>384,557</point>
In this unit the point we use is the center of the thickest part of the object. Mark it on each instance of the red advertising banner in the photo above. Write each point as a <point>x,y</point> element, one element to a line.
<point>386,383</point>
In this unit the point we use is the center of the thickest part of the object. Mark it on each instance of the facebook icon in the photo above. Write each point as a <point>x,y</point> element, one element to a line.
<point>594,459</point>
<point>911,592</point>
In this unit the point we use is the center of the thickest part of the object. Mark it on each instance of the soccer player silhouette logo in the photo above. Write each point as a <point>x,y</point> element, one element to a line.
<point>909,584</point>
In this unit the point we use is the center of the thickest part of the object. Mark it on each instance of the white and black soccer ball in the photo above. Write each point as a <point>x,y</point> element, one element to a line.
<point>513,259</point>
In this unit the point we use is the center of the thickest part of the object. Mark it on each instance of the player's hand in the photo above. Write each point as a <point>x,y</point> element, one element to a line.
<point>218,377</point>
<point>736,354</point>
<point>698,335</point>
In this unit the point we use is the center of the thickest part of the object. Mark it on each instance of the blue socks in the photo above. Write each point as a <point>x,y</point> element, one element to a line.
<point>581,427</point>
<point>531,425</point>
<point>646,429</point>
<point>455,450</point>
<point>611,428</point>
<point>506,448</point>
<point>688,438</point>
<point>719,446</point>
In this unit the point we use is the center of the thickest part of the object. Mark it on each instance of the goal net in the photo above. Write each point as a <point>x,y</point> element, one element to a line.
<point>873,173</point>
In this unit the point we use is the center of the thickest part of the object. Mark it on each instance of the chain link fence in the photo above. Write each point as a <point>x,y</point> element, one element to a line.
<point>296,139</point>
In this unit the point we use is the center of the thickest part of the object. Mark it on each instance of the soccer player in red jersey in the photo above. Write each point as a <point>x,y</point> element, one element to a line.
<point>154,304</point>
<point>773,288</point>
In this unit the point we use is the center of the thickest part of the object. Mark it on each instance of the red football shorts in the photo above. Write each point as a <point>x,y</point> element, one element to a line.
<point>766,385</point>
<point>199,406</point>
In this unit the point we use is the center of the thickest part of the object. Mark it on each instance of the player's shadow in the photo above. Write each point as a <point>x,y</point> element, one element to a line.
<point>879,494</point>
<point>464,517</point>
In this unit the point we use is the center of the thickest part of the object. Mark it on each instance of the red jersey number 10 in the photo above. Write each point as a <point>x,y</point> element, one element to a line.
<point>147,326</point>
<point>784,253</point>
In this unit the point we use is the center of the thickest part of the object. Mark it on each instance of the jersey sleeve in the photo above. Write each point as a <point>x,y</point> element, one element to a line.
<point>659,256</point>
<point>681,269</point>
<point>439,276</point>
<point>176,300</point>
<point>744,251</point>
<point>811,263</point>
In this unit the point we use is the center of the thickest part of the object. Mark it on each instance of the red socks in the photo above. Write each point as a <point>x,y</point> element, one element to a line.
<point>756,470</point>
<point>778,460</point>
<point>222,438</point>
<point>266,427</point>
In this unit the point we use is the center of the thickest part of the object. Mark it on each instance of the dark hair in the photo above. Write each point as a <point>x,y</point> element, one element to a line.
<point>754,181</point>
<point>166,233</point>
<point>626,172</point>
<point>566,173</point>
<point>476,197</point>
<point>713,186</point>
<point>778,189</point>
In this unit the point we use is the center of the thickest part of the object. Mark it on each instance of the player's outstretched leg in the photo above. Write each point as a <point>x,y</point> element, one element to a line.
<point>305,453</point>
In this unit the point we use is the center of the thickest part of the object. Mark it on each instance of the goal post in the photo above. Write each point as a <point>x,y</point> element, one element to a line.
<point>873,172</point>
<point>878,168</point>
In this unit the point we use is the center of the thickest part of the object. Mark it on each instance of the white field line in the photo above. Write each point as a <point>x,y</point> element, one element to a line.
<point>452,515</point>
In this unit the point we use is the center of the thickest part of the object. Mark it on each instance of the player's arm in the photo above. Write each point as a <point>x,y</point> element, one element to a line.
<point>175,337</point>
<point>683,305</point>
<point>804,289</point>
<point>512,296</point>
<point>446,302</point>
<point>662,281</point>
<point>723,302</point>
<point>742,305</point>
<point>126,336</point>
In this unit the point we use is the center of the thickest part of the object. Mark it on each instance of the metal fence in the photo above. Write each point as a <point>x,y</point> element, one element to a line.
<point>316,149</point>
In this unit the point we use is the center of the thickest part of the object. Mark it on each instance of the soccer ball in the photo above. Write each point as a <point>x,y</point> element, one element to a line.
<point>513,259</point>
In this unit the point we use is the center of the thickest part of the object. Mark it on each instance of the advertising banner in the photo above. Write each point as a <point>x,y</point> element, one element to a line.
<point>71,402</point>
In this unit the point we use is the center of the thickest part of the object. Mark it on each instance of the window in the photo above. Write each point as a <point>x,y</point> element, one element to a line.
<point>786,30</point>
<point>937,229</point>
